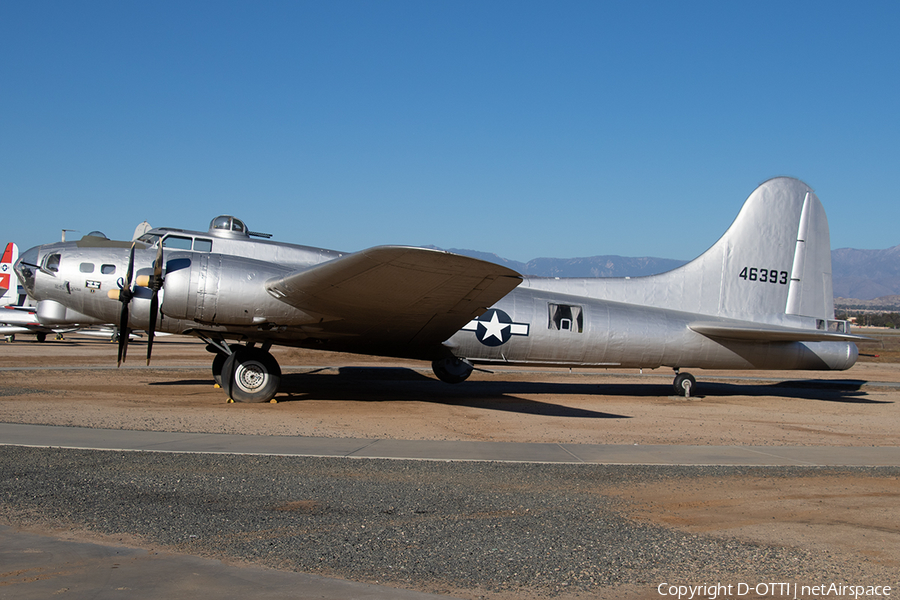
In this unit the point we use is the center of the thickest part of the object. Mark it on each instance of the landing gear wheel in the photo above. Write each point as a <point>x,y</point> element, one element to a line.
<point>451,369</point>
<point>685,385</point>
<point>41,337</point>
<point>251,375</point>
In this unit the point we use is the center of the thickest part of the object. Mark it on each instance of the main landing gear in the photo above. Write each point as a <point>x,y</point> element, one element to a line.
<point>246,373</point>
<point>685,384</point>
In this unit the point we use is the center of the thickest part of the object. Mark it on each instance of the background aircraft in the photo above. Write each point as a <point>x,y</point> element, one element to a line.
<point>760,298</point>
<point>8,283</point>
<point>16,316</point>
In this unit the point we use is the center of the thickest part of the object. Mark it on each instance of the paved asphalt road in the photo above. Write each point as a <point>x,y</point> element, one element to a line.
<point>114,439</point>
<point>37,566</point>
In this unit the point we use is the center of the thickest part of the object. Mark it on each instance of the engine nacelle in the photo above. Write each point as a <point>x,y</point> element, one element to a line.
<point>219,289</point>
<point>52,313</point>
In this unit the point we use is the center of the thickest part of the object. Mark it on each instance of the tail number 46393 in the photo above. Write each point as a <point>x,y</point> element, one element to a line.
<point>764,275</point>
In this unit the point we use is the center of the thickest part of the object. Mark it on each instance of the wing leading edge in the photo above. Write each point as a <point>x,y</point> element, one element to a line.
<point>396,294</point>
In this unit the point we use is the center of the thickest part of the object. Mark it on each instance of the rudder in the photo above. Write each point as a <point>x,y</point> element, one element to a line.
<point>7,281</point>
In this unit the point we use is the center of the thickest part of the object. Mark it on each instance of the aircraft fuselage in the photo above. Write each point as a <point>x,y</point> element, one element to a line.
<point>759,298</point>
<point>225,294</point>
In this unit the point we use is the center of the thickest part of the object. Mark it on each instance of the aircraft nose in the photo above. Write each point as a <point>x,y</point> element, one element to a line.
<point>25,268</point>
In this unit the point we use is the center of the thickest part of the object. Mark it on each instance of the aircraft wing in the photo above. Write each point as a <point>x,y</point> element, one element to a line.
<point>396,294</point>
<point>761,332</point>
<point>13,329</point>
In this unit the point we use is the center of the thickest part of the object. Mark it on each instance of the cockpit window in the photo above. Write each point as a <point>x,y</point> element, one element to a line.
<point>201,245</point>
<point>149,238</point>
<point>178,242</point>
<point>51,263</point>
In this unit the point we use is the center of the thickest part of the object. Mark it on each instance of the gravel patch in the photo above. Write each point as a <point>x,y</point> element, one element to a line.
<point>6,391</point>
<point>432,526</point>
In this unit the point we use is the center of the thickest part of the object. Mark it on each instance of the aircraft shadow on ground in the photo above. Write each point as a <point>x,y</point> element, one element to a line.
<point>382,384</point>
<point>394,383</point>
<point>825,390</point>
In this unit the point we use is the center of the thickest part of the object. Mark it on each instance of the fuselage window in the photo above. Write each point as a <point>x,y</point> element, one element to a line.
<point>51,263</point>
<point>201,245</point>
<point>108,269</point>
<point>177,242</point>
<point>86,267</point>
<point>566,317</point>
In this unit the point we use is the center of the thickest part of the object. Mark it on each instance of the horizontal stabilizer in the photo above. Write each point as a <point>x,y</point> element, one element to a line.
<point>761,332</point>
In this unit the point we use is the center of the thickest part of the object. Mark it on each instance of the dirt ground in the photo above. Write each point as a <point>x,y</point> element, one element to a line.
<point>340,395</point>
<point>851,515</point>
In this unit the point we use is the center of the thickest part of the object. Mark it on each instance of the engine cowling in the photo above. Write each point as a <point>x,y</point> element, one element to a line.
<point>219,289</point>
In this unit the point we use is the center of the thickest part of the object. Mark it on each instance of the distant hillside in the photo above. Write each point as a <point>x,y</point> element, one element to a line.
<point>592,266</point>
<point>864,275</point>
<point>882,304</point>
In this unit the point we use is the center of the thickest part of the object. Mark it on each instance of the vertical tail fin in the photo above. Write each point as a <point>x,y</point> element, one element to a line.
<point>8,283</point>
<point>775,259</point>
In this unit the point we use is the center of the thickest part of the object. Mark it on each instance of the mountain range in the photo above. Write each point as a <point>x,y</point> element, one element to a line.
<point>864,275</point>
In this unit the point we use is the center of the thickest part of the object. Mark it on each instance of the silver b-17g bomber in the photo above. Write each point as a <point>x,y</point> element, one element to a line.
<point>760,298</point>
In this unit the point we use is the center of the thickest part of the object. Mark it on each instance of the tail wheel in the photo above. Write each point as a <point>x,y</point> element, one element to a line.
<point>251,375</point>
<point>685,385</point>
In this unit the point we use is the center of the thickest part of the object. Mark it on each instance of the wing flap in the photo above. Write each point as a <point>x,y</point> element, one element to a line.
<point>396,294</point>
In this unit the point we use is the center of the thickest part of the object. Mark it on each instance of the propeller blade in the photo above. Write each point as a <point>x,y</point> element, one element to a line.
<point>125,296</point>
<point>155,284</point>
<point>123,334</point>
<point>157,264</point>
<point>154,306</point>
<point>130,273</point>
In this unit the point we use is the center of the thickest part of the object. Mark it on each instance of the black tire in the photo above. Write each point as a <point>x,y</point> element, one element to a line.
<point>685,385</point>
<point>41,337</point>
<point>451,369</point>
<point>217,364</point>
<point>253,375</point>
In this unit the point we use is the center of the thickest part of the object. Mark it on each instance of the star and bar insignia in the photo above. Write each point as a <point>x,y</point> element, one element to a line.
<point>495,328</point>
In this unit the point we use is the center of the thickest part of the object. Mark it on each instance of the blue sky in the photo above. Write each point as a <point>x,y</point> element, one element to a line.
<point>527,129</point>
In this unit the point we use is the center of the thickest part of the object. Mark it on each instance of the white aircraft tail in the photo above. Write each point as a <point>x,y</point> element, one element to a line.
<point>774,260</point>
<point>8,281</point>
